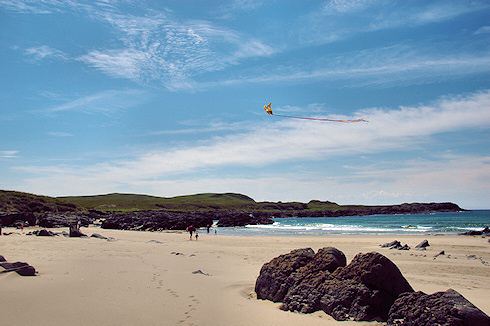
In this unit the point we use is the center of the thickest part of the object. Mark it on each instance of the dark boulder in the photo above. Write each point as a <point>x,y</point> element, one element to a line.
<point>44,233</point>
<point>485,231</point>
<point>23,269</point>
<point>447,308</point>
<point>272,283</point>
<point>404,247</point>
<point>305,285</point>
<point>327,258</point>
<point>378,274</point>
<point>307,282</point>
<point>393,244</point>
<point>348,299</point>
<point>423,244</point>
<point>74,233</point>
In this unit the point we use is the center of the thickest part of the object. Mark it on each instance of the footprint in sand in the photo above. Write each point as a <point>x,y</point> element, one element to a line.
<point>173,293</point>
<point>191,307</point>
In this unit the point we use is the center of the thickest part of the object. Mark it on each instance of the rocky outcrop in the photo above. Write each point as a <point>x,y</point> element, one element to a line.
<point>242,218</point>
<point>442,308</point>
<point>156,220</point>
<point>424,244</point>
<point>307,282</point>
<point>485,231</point>
<point>371,287</point>
<point>23,269</point>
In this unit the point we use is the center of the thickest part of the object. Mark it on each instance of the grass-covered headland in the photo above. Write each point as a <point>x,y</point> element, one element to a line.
<point>144,212</point>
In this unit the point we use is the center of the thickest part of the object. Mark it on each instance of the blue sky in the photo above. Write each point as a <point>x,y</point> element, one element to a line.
<point>166,98</point>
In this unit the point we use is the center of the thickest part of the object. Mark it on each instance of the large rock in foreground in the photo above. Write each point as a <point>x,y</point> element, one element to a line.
<point>371,287</point>
<point>363,290</point>
<point>272,283</point>
<point>442,308</point>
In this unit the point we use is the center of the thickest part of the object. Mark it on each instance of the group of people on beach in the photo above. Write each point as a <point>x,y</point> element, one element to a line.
<point>192,230</point>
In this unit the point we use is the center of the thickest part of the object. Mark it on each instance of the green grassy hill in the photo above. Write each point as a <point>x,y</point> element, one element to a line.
<point>130,202</point>
<point>15,201</point>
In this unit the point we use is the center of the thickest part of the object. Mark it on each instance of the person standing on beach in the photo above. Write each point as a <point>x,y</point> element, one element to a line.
<point>191,230</point>
<point>197,235</point>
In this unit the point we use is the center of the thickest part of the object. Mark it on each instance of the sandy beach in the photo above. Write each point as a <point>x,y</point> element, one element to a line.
<point>160,278</point>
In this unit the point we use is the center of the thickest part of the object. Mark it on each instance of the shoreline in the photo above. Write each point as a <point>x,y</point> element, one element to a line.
<point>148,278</point>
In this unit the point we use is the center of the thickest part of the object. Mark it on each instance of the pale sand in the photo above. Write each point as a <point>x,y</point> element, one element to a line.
<point>137,281</point>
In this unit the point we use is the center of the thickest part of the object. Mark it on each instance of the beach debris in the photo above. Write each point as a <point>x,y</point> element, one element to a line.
<point>98,236</point>
<point>439,254</point>
<point>154,241</point>
<point>395,244</point>
<point>23,269</point>
<point>268,109</point>
<point>200,272</point>
<point>478,258</point>
<point>441,308</point>
<point>392,244</point>
<point>176,253</point>
<point>404,247</point>
<point>10,233</point>
<point>422,245</point>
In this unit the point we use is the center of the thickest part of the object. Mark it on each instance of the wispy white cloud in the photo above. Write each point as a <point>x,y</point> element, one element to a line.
<point>342,19</point>
<point>103,102</point>
<point>483,30</point>
<point>125,63</point>
<point>399,64</point>
<point>156,46</point>
<point>43,52</point>
<point>159,47</point>
<point>8,154</point>
<point>29,6</point>
<point>432,12</point>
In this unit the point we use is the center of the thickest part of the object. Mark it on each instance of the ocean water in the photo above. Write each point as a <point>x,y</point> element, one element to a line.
<point>435,223</point>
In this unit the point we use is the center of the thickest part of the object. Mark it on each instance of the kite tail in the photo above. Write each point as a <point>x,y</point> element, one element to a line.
<point>330,120</point>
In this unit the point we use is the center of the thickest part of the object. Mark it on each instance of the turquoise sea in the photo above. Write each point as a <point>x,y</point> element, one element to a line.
<point>435,223</point>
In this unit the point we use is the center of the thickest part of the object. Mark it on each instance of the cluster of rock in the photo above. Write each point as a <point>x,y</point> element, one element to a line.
<point>485,231</point>
<point>166,220</point>
<point>395,244</point>
<point>21,268</point>
<point>370,288</point>
<point>73,233</point>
